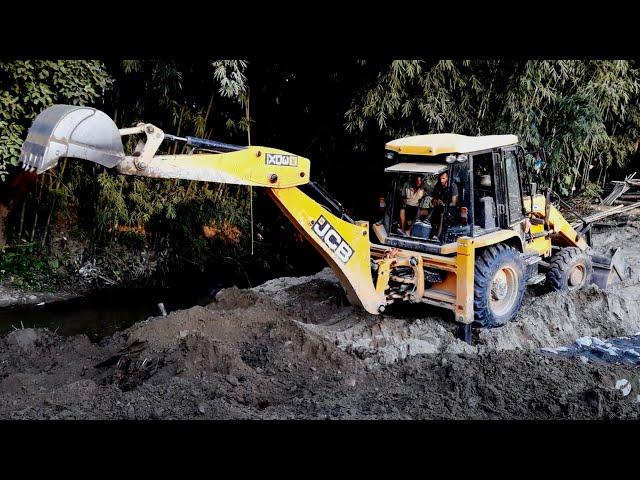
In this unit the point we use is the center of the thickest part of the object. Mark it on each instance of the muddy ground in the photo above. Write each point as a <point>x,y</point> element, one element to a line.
<point>293,349</point>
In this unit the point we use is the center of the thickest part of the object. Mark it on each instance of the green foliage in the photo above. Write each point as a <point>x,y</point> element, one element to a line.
<point>589,195</point>
<point>229,74</point>
<point>202,98</point>
<point>185,98</point>
<point>583,114</point>
<point>27,267</point>
<point>29,86</point>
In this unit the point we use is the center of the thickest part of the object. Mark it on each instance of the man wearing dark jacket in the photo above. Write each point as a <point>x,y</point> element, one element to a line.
<point>442,197</point>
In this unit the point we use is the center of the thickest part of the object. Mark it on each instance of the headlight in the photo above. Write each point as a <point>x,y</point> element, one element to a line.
<point>462,158</point>
<point>451,158</point>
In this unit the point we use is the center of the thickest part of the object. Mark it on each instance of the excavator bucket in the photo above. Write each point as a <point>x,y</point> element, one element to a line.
<point>71,131</point>
<point>608,269</point>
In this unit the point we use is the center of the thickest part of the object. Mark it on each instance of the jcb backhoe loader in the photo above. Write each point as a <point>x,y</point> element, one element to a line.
<point>490,241</point>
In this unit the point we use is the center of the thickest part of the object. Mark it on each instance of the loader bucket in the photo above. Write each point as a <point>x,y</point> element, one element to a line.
<point>71,131</point>
<point>608,269</point>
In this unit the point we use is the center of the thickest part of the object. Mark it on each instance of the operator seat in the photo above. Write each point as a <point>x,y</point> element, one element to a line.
<point>487,213</point>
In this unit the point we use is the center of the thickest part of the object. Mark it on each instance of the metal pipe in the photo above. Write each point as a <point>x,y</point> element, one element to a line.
<point>168,136</point>
<point>131,130</point>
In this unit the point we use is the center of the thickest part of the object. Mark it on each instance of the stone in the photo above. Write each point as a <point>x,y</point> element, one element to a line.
<point>584,341</point>
<point>624,386</point>
<point>351,382</point>
<point>25,338</point>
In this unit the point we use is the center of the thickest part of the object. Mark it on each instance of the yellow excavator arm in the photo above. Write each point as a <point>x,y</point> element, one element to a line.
<point>86,133</point>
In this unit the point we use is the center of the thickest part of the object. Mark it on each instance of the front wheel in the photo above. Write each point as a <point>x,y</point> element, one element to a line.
<point>499,285</point>
<point>571,269</point>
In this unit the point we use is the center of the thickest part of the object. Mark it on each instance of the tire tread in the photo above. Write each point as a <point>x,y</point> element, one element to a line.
<point>484,267</point>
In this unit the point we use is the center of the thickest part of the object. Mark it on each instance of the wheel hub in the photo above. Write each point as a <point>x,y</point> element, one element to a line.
<point>499,285</point>
<point>577,276</point>
<point>504,290</point>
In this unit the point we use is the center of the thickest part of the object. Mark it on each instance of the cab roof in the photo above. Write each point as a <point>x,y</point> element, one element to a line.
<point>439,143</point>
<point>432,168</point>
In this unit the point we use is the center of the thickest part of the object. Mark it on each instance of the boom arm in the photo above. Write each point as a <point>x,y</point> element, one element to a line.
<point>343,245</point>
<point>62,131</point>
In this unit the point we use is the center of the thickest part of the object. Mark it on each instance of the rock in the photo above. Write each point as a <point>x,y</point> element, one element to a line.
<point>202,408</point>
<point>624,386</point>
<point>183,333</point>
<point>583,359</point>
<point>25,338</point>
<point>232,380</point>
<point>584,341</point>
<point>351,382</point>
<point>7,300</point>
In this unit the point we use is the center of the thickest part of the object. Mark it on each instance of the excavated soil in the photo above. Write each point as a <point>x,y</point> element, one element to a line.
<point>293,349</point>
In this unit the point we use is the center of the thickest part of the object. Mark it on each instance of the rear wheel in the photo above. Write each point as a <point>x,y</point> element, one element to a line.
<point>571,269</point>
<point>499,285</point>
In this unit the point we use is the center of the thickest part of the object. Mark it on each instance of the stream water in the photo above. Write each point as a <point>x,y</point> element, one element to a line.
<point>103,313</point>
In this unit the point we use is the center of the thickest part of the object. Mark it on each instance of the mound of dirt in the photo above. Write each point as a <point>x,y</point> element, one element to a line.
<point>258,355</point>
<point>547,320</point>
<point>557,319</point>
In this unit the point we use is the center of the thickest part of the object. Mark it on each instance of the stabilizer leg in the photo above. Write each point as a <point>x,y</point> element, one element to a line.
<point>464,332</point>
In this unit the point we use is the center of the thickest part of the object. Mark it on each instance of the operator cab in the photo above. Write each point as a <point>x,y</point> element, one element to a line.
<point>444,186</point>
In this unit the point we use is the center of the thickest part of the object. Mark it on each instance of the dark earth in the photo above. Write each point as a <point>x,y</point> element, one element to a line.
<point>293,349</point>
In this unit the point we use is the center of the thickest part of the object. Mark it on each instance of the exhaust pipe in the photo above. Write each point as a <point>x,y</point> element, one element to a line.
<point>71,131</point>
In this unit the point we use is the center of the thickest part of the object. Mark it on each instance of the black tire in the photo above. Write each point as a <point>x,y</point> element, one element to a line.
<point>571,269</point>
<point>492,305</point>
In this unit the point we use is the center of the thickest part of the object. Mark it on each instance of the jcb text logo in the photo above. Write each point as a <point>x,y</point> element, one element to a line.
<point>281,160</point>
<point>332,239</point>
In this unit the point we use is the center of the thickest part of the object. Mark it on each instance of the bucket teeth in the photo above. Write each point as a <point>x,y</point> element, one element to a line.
<point>29,161</point>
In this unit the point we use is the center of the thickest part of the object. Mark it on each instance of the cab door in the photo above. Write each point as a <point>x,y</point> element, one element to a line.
<point>513,204</point>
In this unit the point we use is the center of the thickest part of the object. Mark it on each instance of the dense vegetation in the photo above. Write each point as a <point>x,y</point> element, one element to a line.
<point>581,117</point>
